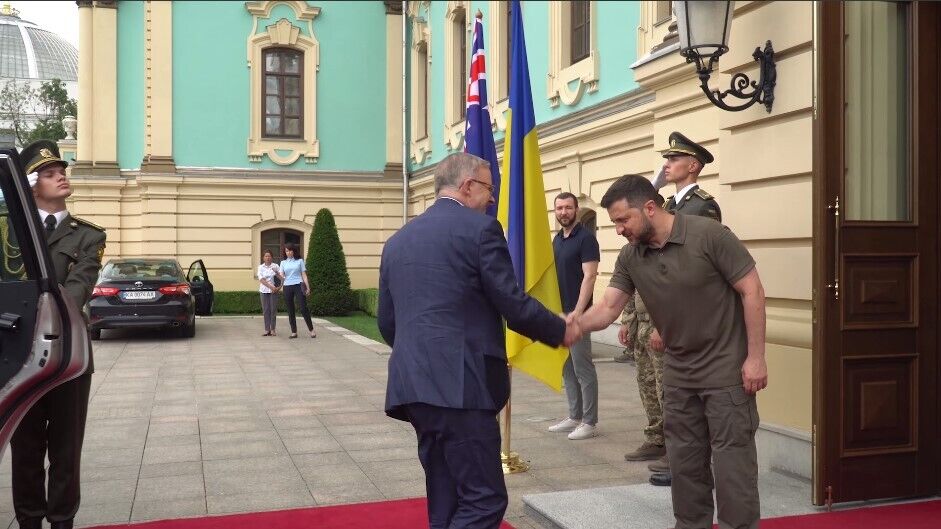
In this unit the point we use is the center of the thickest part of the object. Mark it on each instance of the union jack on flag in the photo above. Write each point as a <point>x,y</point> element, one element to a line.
<point>478,136</point>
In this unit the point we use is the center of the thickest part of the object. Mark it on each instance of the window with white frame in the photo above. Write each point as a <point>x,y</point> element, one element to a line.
<point>283,61</point>
<point>455,73</point>
<point>573,51</point>
<point>419,62</point>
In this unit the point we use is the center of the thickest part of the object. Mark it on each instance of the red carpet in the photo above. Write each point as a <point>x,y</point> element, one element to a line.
<point>397,514</point>
<point>918,515</point>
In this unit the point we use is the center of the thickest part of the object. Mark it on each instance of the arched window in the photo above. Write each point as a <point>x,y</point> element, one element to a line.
<point>283,93</point>
<point>274,240</point>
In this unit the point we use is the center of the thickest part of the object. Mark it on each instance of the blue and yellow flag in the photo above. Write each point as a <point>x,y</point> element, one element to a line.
<point>522,212</point>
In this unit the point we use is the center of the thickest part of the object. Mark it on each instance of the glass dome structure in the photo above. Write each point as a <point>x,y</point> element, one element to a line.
<point>29,52</point>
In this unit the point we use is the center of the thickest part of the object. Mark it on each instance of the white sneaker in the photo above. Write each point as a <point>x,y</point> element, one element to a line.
<point>583,431</point>
<point>565,426</point>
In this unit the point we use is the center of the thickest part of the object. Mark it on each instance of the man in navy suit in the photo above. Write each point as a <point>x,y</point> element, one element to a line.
<point>445,281</point>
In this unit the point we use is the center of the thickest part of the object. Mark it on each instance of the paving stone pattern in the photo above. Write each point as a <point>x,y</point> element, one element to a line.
<point>231,421</point>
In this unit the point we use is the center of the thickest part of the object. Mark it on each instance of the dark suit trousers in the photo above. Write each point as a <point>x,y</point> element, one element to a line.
<point>56,422</point>
<point>460,451</point>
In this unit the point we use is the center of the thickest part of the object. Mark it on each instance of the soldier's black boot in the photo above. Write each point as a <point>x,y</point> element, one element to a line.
<point>66,524</point>
<point>661,479</point>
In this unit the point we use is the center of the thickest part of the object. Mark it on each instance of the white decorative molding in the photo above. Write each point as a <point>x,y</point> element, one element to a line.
<point>651,32</point>
<point>584,74</point>
<point>420,49</point>
<point>454,124</point>
<point>286,35</point>
<point>498,112</point>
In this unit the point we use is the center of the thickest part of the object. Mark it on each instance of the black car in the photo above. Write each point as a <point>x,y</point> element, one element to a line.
<point>147,292</point>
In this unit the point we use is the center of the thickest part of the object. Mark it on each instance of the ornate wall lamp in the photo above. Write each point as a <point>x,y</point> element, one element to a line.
<point>704,36</point>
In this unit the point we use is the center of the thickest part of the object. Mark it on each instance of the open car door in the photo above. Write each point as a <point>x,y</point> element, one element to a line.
<point>201,286</point>
<point>43,340</point>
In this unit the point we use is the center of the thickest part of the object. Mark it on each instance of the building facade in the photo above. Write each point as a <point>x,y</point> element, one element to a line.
<point>217,130</point>
<point>184,151</point>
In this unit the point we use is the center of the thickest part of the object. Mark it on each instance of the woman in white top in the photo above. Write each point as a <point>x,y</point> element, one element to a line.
<point>267,272</point>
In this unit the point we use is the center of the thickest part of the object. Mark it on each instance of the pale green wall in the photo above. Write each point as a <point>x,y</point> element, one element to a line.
<point>617,23</point>
<point>130,89</point>
<point>211,89</point>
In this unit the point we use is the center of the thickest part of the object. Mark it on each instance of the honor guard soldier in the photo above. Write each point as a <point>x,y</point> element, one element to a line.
<point>55,425</point>
<point>685,159</point>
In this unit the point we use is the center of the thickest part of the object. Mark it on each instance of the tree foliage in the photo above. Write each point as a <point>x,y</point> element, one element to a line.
<point>35,114</point>
<point>330,293</point>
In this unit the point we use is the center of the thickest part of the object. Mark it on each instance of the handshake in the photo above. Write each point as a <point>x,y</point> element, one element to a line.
<point>573,329</point>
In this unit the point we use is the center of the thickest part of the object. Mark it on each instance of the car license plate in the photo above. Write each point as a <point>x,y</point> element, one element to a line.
<point>140,295</point>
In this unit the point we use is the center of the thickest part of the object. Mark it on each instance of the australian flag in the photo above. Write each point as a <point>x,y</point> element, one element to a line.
<point>478,137</point>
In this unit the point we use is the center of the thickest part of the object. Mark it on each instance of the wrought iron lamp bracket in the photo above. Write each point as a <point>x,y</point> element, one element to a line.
<point>762,91</point>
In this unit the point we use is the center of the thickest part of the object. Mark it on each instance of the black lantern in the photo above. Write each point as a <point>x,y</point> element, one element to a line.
<point>704,36</point>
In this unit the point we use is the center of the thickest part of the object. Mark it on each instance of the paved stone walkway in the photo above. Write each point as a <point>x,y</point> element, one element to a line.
<point>231,421</point>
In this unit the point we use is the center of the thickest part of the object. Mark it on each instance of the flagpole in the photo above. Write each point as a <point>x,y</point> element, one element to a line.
<point>478,140</point>
<point>512,464</point>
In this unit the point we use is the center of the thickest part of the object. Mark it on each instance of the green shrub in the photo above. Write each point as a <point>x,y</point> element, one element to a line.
<point>368,300</point>
<point>330,293</point>
<point>249,302</point>
<point>241,302</point>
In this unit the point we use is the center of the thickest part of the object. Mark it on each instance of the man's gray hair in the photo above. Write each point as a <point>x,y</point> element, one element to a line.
<point>452,171</point>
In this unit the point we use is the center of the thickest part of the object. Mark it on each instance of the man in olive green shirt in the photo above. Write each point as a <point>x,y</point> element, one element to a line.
<point>703,292</point>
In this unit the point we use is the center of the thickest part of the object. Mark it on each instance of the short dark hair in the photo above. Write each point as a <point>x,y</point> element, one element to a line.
<point>635,188</point>
<point>565,195</point>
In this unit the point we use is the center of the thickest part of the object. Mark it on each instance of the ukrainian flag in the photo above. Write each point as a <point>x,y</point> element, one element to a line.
<point>523,213</point>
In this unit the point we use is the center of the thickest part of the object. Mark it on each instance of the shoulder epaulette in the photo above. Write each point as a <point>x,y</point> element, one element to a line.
<point>88,223</point>
<point>667,201</point>
<point>701,193</point>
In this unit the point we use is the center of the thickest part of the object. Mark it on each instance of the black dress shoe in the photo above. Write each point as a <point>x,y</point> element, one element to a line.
<point>30,523</point>
<point>661,479</point>
<point>66,524</point>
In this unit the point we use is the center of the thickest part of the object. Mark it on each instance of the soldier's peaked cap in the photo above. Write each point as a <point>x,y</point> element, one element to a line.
<point>680,144</point>
<point>40,153</point>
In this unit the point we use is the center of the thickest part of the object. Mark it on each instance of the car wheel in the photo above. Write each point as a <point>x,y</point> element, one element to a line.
<point>94,334</point>
<point>188,331</point>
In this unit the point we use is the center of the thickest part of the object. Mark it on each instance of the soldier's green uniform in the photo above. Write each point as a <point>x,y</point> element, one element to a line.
<point>696,202</point>
<point>56,423</point>
<point>11,264</point>
<point>649,371</point>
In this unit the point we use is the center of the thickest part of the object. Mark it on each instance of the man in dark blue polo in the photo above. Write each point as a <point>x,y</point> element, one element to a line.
<point>576,263</point>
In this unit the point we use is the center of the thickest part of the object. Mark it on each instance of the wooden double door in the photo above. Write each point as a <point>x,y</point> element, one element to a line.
<point>877,408</point>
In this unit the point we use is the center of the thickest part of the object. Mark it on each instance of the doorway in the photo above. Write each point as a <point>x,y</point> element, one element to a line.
<point>876,227</point>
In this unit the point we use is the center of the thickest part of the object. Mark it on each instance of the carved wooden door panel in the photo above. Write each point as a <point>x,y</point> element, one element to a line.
<point>877,146</point>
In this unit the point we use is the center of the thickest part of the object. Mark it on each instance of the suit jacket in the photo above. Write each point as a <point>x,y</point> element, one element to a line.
<point>445,280</point>
<point>76,247</point>
<point>696,202</point>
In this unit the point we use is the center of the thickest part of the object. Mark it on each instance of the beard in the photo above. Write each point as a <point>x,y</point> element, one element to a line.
<point>565,222</point>
<point>645,234</point>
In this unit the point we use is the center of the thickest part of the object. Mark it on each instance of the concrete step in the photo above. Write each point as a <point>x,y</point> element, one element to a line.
<point>648,507</point>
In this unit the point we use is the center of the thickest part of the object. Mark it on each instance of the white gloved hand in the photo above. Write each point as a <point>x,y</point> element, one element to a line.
<point>660,180</point>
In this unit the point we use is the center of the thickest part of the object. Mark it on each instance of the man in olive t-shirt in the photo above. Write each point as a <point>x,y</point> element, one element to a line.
<point>702,290</point>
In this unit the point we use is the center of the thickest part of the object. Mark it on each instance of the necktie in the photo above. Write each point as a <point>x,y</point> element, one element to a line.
<point>50,223</point>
